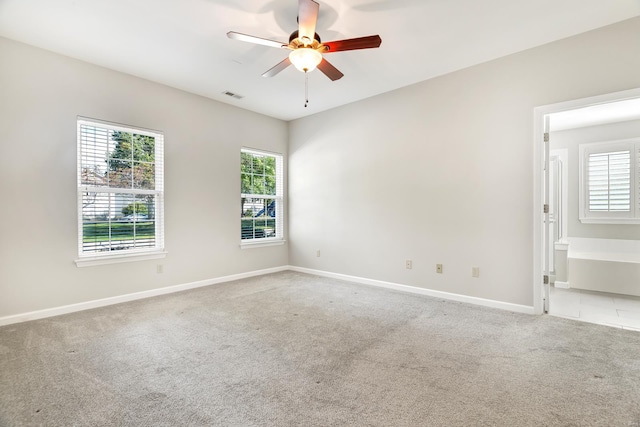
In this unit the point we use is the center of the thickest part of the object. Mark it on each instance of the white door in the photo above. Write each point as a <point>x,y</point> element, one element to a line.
<point>546,244</point>
<point>553,212</point>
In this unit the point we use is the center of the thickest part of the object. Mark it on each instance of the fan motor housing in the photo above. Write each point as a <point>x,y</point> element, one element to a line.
<point>294,36</point>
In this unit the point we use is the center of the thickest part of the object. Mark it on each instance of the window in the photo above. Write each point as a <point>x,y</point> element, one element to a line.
<point>609,184</point>
<point>261,197</point>
<point>120,192</point>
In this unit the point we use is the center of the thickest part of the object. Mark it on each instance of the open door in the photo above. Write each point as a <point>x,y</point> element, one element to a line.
<point>541,191</point>
<point>546,291</point>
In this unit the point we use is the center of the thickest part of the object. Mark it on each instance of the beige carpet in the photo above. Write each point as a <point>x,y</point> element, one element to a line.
<point>290,349</point>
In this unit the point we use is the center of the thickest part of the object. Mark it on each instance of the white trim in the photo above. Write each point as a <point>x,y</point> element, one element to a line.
<point>119,126</point>
<point>261,243</point>
<point>562,156</point>
<point>114,259</point>
<point>517,308</point>
<point>610,220</point>
<point>562,285</point>
<point>90,189</point>
<point>260,151</point>
<point>538,156</point>
<point>72,308</point>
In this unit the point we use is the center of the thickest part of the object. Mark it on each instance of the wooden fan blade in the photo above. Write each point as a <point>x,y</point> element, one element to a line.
<point>256,40</point>
<point>275,70</point>
<point>329,70</point>
<point>353,44</point>
<point>307,18</point>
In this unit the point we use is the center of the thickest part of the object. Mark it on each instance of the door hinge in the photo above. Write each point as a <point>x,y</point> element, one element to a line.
<point>545,208</point>
<point>546,137</point>
<point>545,280</point>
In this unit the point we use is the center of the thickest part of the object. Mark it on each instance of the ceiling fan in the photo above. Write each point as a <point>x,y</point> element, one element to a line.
<point>306,46</point>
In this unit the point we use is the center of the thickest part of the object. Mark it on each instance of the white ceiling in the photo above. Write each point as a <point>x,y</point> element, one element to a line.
<point>183,43</point>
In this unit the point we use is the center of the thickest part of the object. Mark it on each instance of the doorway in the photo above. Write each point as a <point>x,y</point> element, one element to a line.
<point>559,132</point>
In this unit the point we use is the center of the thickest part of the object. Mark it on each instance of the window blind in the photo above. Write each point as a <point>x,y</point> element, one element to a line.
<point>261,195</point>
<point>120,189</point>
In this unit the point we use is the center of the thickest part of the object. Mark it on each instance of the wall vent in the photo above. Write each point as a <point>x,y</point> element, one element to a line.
<point>233,95</point>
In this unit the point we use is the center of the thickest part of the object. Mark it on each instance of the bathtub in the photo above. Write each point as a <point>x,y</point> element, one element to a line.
<point>604,265</point>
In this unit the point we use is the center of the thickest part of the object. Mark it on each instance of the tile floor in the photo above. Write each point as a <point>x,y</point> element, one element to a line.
<point>615,310</point>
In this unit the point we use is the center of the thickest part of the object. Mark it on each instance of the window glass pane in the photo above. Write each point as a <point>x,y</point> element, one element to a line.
<point>270,166</point>
<point>258,164</point>
<point>268,208</point>
<point>143,148</point>
<point>121,142</point>
<point>144,175</point>
<point>256,186</point>
<point>246,162</point>
<point>270,185</point>
<point>95,146</point>
<point>94,175</point>
<point>120,174</point>
<point>247,228</point>
<point>270,228</point>
<point>252,207</point>
<point>245,183</point>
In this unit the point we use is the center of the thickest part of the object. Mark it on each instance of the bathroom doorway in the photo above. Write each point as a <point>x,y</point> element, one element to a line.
<point>588,176</point>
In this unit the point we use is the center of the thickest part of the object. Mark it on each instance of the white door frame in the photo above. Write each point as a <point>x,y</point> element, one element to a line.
<point>539,160</point>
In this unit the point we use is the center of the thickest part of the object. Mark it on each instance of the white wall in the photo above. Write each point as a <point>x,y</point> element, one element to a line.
<point>441,171</point>
<point>571,139</point>
<point>40,96</point>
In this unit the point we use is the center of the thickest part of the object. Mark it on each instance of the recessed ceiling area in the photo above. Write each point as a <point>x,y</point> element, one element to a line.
<point>183,43</point>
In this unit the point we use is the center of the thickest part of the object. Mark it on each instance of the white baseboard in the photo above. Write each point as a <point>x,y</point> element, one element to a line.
<point>421,291</point>
<point>563,285</point>
<point>56,311</point>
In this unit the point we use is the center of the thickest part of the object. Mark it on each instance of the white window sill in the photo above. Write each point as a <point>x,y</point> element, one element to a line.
<point>261,243</point>
<point>610,220</point>
<point>114,259</point>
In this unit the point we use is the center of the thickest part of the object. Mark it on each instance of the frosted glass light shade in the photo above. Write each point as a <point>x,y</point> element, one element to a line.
<point>305,59</point>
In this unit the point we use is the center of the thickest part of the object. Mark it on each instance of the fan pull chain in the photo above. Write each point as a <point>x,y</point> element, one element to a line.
<point>306,89</point>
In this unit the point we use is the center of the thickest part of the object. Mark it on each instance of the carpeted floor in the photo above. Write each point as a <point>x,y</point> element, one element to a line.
<point>290,349</point>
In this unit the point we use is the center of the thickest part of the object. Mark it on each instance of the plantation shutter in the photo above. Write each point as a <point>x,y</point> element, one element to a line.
<point>609,181</point>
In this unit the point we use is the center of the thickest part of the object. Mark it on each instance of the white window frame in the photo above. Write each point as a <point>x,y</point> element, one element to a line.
<point>278,239</point>
<point>86,259</point>
<point>607,217</point>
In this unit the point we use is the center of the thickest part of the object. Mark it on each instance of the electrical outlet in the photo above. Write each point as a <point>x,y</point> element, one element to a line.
<point>318,253</point>
<point>475,271</point>
<point>159,269</point>
<point>439,268</point>
<point>409,264</point>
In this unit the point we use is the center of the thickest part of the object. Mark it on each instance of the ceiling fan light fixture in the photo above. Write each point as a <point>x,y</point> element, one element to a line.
<point>305,59</point>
